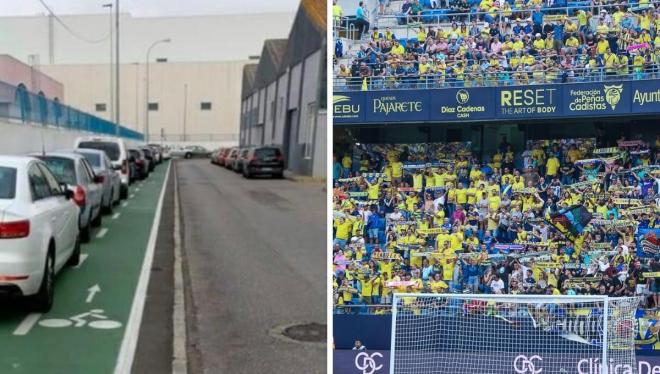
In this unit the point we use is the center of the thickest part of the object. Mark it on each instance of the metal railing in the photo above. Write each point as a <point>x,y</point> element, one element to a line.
<point>363,309</point>
<point>438,17</point>
<point>19,105</point>
<point>495,79</point>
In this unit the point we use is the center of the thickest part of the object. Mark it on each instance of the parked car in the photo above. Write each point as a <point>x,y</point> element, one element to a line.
<point>263,161</point>
<point>192,151</point>
<point>108,177</point>
<point>38,230</point>
<point>237,165</point>
<point>214,156</point>
<point>222,156</point>
<point>117,151</point>
<point>157,151</point>
<point>229,161</point>
<point>148,154</point>
<point>167,153</point>
<point>73,170</point>
<point>141,163</point>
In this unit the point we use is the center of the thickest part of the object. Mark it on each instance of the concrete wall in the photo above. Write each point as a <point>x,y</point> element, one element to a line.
<point>194,38</point>
<point>216,82</point>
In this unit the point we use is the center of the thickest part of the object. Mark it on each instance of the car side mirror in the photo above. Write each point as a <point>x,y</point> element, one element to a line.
<point>68,194</point>
<point>98,179</point>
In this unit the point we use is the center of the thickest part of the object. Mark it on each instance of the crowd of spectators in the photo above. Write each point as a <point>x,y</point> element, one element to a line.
<point>433,218</point>
<point>507,42</point>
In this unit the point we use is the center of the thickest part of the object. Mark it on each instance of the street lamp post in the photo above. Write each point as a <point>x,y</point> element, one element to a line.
<point>146,112</point>
<point>112,94</point>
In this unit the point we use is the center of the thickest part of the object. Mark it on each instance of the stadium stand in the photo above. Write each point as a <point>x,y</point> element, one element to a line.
<point>415,44</point>
<point>559,217</point>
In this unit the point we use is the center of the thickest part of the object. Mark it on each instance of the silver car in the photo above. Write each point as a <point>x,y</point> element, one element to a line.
<point>74,170</point>
<point>191,151</point>
<point>109,177</point>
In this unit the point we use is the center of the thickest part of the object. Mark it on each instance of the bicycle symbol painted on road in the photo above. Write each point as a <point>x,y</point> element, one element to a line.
<point>84,319</point>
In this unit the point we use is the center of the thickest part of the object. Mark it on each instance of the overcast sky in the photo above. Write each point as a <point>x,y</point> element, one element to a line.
<point>149,8</point>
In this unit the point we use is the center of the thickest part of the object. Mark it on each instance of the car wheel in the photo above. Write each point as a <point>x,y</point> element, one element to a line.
<point>123,192</point>
<point>42,302</point>
<point>188,155</point>
<point>74,260</point>
<point>278,175</point>
<point>86,232</point>
<point>108,208</point>
<point>98,220</point>
<point>246,174</point>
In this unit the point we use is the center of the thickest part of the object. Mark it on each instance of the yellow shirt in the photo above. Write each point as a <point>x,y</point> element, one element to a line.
<point>397,169</point>
<point>343,230</point>
<point>552,165</point>
<point>346,162</point>
<point>494,202</point>
<point>461,196</point>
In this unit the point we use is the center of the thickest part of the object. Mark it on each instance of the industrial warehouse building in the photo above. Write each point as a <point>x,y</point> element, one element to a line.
<point>284,95</point>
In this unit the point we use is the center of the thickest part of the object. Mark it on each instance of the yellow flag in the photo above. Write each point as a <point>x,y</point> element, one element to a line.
<point>364,84</point>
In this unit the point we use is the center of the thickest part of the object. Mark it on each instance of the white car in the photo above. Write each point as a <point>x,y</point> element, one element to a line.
<point>117,151</point>
<point>38,230</point>
<point>73,170</point>
<point>107,175</point>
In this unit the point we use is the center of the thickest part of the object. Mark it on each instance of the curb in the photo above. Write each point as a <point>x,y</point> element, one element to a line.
<point>303,178</point>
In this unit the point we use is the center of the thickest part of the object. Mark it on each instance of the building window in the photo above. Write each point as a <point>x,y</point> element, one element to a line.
<point>100,107</point>
<point>206,105</point>
<point>309,135</point>
<point>153,107</point>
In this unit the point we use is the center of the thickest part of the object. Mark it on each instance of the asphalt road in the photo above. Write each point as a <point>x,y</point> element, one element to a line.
<point>254,259</point>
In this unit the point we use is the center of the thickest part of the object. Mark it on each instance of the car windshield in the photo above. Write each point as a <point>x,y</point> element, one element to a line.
<point>111,149</point>
<point>63,168</point>
<point>7,183</point>
<point>267,153</point>
<point>93,158</point>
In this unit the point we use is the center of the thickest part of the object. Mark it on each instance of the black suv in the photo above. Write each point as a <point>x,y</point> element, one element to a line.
<point>263,161</point>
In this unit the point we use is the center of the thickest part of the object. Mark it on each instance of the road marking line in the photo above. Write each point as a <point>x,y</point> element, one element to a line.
<point>83,257</point>
<point>132,196</point>
<point>27,324</point>
<point>137,189</point>
<point>179,354</point>
<point>116,215</point>
<point>132,330</point>
<point>102,233</point>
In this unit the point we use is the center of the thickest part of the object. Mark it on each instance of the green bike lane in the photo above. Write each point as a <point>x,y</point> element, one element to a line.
<point>87,326</point>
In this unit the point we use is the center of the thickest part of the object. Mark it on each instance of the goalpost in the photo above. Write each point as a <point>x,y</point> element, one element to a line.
<point>492,334</point>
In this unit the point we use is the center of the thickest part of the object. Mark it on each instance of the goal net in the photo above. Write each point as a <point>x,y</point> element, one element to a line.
<point>492,334</point>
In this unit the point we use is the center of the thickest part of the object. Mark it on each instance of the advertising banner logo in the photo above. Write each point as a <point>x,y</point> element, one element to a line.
<point>597,99</point>
<point>402,105</point>
<point>646,96</point>
<point>348,108</point>
<point>520,102</point>
<point>463,104</point>
<point>367,363</point>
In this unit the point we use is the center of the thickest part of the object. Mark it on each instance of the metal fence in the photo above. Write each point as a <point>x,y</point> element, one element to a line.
<point>17,104</point>
<point>195,137</point>
<point>495,79</point>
